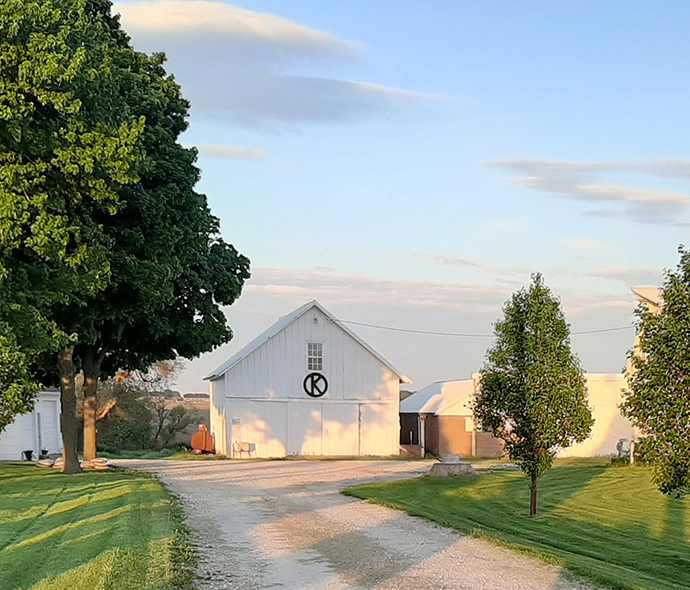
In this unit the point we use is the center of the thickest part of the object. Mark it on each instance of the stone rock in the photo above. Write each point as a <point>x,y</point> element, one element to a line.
<point>451,469</point>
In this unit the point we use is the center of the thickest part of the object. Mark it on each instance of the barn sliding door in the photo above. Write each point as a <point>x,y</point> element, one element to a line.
<point>304,429</point>
<point>340,429</point>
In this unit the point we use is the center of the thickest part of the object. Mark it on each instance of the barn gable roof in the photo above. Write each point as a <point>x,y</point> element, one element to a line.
<point>281,324</point>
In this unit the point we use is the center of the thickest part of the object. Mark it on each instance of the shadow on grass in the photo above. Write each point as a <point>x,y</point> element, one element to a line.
<point>611,526</point>
<point>119,510</point>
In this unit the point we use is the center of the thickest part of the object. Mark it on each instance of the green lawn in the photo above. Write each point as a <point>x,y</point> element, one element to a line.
<point>98,531</point>
<point>610,525</point>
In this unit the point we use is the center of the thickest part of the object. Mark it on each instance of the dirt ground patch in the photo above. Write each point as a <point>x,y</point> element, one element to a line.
<point>284,525</point>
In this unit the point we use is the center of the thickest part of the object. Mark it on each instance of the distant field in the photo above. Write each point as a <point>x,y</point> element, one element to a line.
<point>610,525</point>
<point>97,531</point>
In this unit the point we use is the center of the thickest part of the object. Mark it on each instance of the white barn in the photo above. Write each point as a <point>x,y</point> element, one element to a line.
<point>36,431</point>
<point>307,386</point>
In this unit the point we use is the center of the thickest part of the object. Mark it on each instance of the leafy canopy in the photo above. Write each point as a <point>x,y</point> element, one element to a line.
<point>67,146</point>
<point>532,393</point>
<point>658,397</point>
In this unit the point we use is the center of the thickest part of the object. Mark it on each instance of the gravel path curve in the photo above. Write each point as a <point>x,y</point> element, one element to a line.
<point>284,525</point>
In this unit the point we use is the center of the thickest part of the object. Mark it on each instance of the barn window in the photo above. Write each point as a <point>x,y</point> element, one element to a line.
<point>315,356</point>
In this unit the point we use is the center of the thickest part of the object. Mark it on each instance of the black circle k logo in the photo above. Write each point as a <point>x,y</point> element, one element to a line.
<point>315,384</point>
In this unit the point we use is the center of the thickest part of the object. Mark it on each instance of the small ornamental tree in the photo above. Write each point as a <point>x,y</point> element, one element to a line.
<point>532,392</point>
<point>657,400</point>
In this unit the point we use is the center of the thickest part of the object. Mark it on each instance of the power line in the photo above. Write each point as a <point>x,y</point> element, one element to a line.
<point>462,335</point>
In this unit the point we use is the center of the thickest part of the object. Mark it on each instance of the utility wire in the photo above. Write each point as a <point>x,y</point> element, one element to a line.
<point>459,334</point>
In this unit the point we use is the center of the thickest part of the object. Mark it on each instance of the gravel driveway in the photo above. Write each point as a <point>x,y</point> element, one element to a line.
<point>284,525</point>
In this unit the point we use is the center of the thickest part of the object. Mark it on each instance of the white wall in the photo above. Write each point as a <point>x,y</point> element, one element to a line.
<point>36,431</point>
<point>280,428</point>
<point>267,405</point>
<point>217,414</point>
<point>278,367</point>
<point>610,425</point>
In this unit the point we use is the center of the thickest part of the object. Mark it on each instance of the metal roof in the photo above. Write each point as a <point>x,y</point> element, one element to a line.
<point>281,324</point>
<point>438,398</point>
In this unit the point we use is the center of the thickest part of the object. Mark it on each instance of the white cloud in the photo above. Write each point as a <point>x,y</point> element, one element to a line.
<point>257,69</point>
<point>180,17</point>
<point>582,181</point>
<point>231,152</point>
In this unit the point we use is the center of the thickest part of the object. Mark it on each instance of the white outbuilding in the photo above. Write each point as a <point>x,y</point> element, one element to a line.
<point>307,386</point>
<point>38,431</point>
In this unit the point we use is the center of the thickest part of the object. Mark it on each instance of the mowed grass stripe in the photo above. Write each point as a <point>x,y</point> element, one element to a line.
<point>95,525</point>
<point>609,525</point>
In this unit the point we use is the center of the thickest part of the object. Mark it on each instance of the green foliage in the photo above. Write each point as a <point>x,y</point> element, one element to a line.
<point>66,143</point>
<point>170,269</point>
<point>533,393</point>
<point>658,397</point>
<point>17,386</point>
<point>144,418</point>
<point>103,239</point>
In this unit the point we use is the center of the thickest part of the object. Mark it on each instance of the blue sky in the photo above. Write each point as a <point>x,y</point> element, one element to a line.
<point>412,163</point>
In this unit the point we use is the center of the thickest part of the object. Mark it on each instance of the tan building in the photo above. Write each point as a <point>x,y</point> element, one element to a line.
<point>438,420</point>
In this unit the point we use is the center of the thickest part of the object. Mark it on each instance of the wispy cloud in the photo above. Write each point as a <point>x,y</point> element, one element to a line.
<point>231,152</point>
<point>257,69</point>
<point>629,276</point>
<point>339,288</point>
<point>583,181</point>
<point>448,260</point>
<point>344,288</point>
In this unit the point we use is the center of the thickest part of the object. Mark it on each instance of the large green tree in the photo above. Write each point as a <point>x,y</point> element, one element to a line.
<point>161,269</point>
<point>171,271</point>
<point>657,399</point>
<point>532,391</point>
<point>67,147</point>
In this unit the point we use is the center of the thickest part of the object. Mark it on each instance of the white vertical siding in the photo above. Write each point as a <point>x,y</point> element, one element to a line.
<point>23,434</point>
<point>278,367</point>
<point>380,427</point>
<point>305,428</point>
<point>218,417</point>
<point>48,423</point>
<point>262,423</point>
<point>264,403</point>
<point>341,429</point>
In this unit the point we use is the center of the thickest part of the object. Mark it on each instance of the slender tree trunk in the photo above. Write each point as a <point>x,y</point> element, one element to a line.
<point>68,414</point>
<point>534,487</point>
<point>92,374</point>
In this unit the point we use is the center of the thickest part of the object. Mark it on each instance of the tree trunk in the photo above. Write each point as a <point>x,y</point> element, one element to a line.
<point>68,414</point>
<point>534,487</point>
<point>92,374</point>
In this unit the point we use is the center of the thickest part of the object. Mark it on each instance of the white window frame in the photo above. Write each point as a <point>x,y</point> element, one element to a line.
<point>314,361</point>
